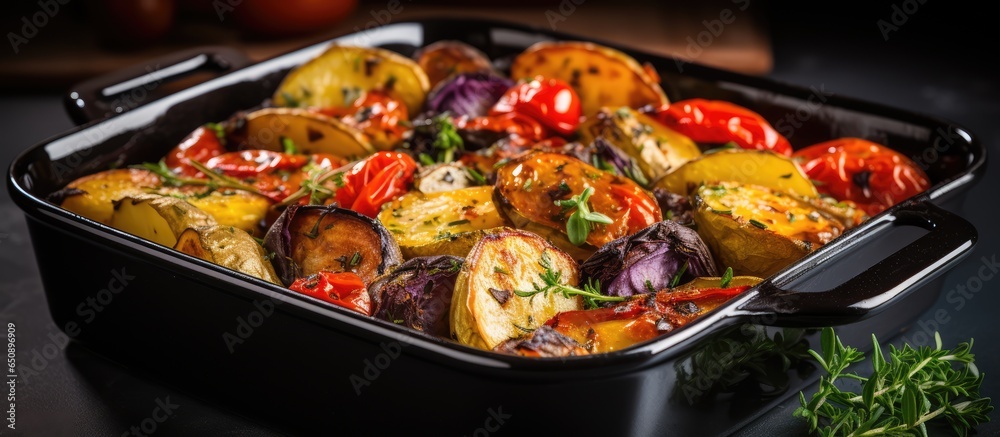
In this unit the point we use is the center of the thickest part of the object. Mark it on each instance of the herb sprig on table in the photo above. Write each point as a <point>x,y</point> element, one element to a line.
<point>914,387</point>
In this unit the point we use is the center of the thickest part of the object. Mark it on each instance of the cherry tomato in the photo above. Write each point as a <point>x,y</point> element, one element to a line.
<point>641,209</point>
<point>872,176</point>
<point>551,102</point>
<point>380,117</point>
<point>200,145</point>
<point>719,122</point>
<point>344,289</point>
<point>294,17</point>
<point>378,179</point>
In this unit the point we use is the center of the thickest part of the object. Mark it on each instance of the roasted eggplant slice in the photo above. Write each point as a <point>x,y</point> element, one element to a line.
<point>310,239</point>
<point>417,294</point>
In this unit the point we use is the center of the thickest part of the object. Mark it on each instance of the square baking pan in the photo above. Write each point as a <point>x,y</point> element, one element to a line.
<point>300,366</point>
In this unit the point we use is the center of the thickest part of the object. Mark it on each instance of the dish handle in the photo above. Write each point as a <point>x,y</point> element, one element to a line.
<point>948,240</point>
<point>122,90</point>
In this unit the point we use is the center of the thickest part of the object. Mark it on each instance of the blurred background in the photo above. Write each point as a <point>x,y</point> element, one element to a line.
<point>928,56</point>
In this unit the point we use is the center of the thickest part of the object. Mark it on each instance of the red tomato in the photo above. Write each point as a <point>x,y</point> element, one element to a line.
<point>551,102</point>
<point>872,176</point>
<point>252,163</point>
<point>381,118</point>
<point>719,122</point>
<point>200,145</point>
<point>294,17</point>
<point>344,289</point>
<point>378,179</point>
<point>642,210</point>
<point>523,129</point>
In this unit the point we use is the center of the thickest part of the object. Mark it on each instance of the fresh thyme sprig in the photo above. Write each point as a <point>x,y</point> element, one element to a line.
<point>552,283</point>
<point>212,179</point>
<point>579,224</point>
<point>914,387</point>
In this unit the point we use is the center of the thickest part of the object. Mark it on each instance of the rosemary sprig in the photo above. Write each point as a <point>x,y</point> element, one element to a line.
<point>212,180</point>
<point>552,283</point>
<point>580,223</point>
<point>914,387</point>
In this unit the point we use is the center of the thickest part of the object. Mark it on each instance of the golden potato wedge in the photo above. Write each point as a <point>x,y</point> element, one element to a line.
<point>441,223</point>
<point>757,167</point>
<point>311,133</point>
<point>160,219</point>
<point>656,148</point>
<point>93,196</point>
<point>758,231</point>
<point>336,77</point>
<point>244,210</point>
<point>485,311</point>
<point>229,247</point>
<point>602,76</point>
<point>442,59</point>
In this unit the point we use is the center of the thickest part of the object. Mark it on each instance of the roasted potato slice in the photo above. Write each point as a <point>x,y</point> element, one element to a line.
<point>311,133</point>
<point>341,73</point>
<point>758,231</point>
<point>602,76</point>
<point>485,311</point>
<point>442,59</point>
<point>244,210</point>
<point>527,189</point>
<point>229,247</point>
<point>442,223</point>
<point>656,148</point>
<point>160,219</point>
<point>757,167</point>
<point>93,196</point>
<point>310,239</point>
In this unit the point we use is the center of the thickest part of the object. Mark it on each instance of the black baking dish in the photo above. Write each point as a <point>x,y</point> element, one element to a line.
<point>286,361</point>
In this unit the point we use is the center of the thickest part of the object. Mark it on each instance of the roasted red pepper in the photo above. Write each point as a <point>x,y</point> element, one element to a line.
<point>344,289</point>
<point>200,145</point>
<point>872,176</point>
<point>381,118</point>
<point>719,122</point>
<point>551,102</point>
<point>378,179</point>
<point>252,163</point>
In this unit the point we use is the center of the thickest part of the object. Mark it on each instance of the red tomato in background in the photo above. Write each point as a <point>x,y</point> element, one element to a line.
<point>872,176</point>
<point>344,289</point>
<point>200,145</point>
<point>551,102</point>
<point>378,179</point>
<point>719,122</point>
<point>291,17</point>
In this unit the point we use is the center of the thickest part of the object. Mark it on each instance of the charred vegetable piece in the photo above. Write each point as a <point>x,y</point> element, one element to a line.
<point>228,247</point>
<point>541,188</point>
<point>675,207</point>
<point>242,209</point>
<point>657,149</point>
<point>336,77</point>
<point>310,132</point>
<point>343,289</point>
<point>601,76</point>
<point>719,122</point>
<point>418,293</point>
<point>383,120</point>
<point>468,94</point>
<point>757,167</point>
<point>648,316</point>
<point>159,219</point>
<point>486,308</point>
<point>650,260</point>
<point>93,196</point>
<point>443,223</point>
<point>758,231</point>
<point>445,59</point>
<point>206,142</point>
<point>542,342</point>
<point>309,239</point>
<point>371,183</point>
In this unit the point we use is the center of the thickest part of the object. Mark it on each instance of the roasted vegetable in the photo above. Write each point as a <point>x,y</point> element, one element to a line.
<point>601,76</point>
<point>542,342</point>
<point>757,167</point>
<point>228,247</point>
<point>336,77</point>
<point>417,294</point>
<point>160,219</point>
<point>486,309</point>
<point>344,289</point>
<point>443,177</point>
<point>713,122</point>
<point>378,179</point>
<point>675,207</point>
<point>549,101</point>
<point>242,209</point>
<point>758,231</point>
<point>657,149</point>
<point>310,132</point>
<point>383,120</point>
<point>442,223</point>
<point>652,259</point>
<point>468,94</point>
<point>206,142</point>
<point>309,239</point>
<point>647,317</point>
<point>92,196</point>
<point>532,188</point>
<point>444,59</point>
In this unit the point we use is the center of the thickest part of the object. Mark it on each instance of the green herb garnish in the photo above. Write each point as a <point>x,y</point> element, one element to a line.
<point>551,282</point>
<point>677,277</point>
<point>758,224</point>
<point>580,223</point>
<point>289,146</point>
<point>726,278</point>
<point>475,176</point>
